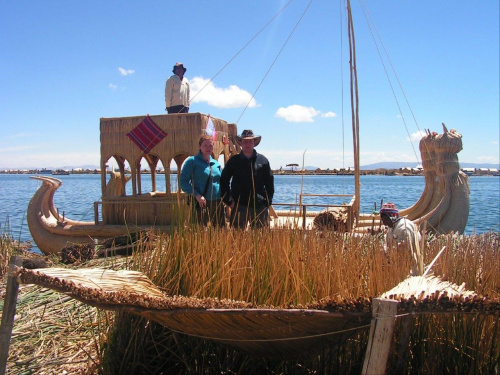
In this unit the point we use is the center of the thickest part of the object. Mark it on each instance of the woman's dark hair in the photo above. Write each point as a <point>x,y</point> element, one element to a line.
<point>204,137</point>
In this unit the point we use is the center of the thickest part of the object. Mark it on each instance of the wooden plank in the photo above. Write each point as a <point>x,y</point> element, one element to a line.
<point>381,333</point>
<point>9,311</point>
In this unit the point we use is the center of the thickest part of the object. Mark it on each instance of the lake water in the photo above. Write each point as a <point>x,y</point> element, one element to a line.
<point>77,193</point>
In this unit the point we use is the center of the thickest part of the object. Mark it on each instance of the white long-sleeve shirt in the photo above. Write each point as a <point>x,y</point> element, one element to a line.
<point>176,91</point>
<point>405,231</point>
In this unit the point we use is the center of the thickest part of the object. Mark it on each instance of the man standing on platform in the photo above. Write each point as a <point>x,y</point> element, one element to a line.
<point>177,91</point>
<point>252,184</point>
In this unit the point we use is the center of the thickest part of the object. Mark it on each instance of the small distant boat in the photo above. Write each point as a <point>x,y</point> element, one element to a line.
<point>45,171</point>
<point>60,172</point>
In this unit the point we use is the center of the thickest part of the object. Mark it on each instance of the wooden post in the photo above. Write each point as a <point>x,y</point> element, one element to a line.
<point>381,333</point>
<point>9,311</point>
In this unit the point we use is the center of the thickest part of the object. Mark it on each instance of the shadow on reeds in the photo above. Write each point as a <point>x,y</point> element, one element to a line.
<point>294,268</point>
<point>154,349</point>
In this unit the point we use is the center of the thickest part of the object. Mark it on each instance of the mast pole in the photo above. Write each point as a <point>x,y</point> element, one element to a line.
<point>354,108</point>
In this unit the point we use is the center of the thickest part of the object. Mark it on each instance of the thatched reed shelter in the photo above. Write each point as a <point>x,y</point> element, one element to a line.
<point>162,138</point>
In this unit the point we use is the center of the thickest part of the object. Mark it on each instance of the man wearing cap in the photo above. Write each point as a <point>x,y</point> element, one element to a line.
<point>402,230</point>
<point>177,91</point>
<point>252,184</point>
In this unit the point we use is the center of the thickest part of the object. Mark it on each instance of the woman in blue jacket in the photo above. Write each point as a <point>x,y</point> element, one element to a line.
<point>200,178</point>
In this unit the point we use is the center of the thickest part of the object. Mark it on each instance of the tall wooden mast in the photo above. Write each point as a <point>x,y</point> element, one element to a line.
<point>354,108</point>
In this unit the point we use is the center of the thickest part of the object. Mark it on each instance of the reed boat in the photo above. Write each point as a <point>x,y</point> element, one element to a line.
<point>442,208</point>
<point>45,171</point>
<point>124,207</point>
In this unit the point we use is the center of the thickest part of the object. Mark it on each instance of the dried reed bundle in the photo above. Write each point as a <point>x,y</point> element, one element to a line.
<point>425,286</point>
<point>53,334</point>
<point>296,268</point>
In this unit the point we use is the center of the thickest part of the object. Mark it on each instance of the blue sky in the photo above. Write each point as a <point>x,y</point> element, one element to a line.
<point>66,64</point>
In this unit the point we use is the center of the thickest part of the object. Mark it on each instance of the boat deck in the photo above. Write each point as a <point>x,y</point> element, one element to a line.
<point>292,222</point>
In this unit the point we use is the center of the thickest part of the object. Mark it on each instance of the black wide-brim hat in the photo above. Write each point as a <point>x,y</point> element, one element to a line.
<point>177,65</point>
<point>248,134</point>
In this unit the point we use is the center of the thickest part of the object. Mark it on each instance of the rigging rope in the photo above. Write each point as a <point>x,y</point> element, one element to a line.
<point>275,59</point>
<point>341,25</point>
<point>248,43</point>
<point>280,339</point>
<point>370,22</point>
<point>245,46</point>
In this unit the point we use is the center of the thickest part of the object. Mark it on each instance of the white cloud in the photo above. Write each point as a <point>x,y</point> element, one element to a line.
<point>329,114</point>
<point>487,159</point>
<point>297,113</point>
<point>112,87</point>
<point>416,137</point>
<point>125,72</point>
<point>219,97</point>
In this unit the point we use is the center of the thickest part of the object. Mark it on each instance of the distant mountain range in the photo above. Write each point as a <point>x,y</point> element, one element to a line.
<point>398,164</point>
<point>50,168</point>
<point>84,167</point>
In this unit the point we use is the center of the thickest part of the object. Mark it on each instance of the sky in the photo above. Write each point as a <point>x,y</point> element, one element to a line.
<point>66,64</point>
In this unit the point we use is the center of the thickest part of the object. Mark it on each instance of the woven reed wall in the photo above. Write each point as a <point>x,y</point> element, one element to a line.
<point>447,146</point>
<point>428,154</point>
<point>146,209</point>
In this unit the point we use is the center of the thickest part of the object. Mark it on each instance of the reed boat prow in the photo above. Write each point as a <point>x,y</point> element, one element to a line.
<point>51,231</point>
<point>444,204</point>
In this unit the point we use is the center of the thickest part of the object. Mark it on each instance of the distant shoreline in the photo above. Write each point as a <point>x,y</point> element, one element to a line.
<point>317,172</point>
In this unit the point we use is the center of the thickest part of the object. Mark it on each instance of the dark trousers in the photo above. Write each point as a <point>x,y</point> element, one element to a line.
<point>213,213</point>
<point>257,216</point>
<point>177,109</point>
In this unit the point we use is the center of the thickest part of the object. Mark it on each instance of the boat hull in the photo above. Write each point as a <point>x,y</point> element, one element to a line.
<point>52,232</point>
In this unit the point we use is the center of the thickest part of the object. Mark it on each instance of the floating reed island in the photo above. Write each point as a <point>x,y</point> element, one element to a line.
<point>287,301</point>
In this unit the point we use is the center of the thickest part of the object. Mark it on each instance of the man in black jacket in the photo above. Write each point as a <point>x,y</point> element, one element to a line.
<point>252,184</point>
